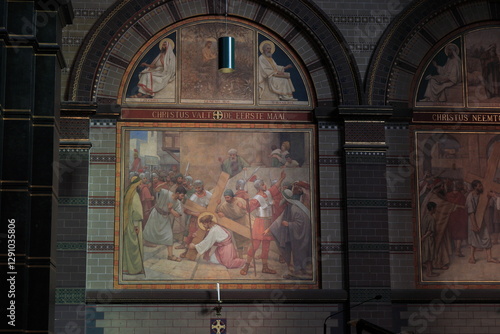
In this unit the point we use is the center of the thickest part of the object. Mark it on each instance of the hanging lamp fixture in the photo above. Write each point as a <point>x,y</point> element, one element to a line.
<point>226,51</point>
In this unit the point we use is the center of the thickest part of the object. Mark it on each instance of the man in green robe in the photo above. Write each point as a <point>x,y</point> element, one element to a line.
<point>132,260</point>
<point>233,164</point>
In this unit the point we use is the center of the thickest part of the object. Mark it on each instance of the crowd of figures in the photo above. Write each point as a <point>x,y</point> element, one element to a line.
<point>176,210</point>
<point>449,225</point>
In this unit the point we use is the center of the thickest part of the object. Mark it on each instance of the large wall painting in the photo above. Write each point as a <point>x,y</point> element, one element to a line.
<point>198,204</point>
<point>458,207</point>
<point>179,66</point>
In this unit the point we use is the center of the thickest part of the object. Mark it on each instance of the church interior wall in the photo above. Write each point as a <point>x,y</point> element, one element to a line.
<point>101,198</point>
<point>381,255</point>
<point>362,26</point>
<point>441,316</point>
<point>71,248</point>
<point>399,202</point>
<point>367,226</point>
<point>268,318</point>
<point>330,208</point>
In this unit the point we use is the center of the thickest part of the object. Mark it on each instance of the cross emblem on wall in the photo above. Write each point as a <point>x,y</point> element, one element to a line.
<point>218,115</point>
<point>217,326</point>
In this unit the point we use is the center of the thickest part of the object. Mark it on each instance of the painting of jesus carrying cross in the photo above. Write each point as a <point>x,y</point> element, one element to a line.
<point>458,207</point>
<point>199,204</point>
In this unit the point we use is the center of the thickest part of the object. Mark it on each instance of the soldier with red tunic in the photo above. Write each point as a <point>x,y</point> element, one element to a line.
<point>261,205</point>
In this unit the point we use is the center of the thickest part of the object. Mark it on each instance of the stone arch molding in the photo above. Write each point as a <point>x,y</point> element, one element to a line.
<point>419,31</point>
<point>128,25</point>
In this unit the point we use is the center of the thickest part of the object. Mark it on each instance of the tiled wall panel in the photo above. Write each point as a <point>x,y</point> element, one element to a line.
<point>400,212</point>
<point>72,222</point>
<point>261,318</point>
<point>102,174</point>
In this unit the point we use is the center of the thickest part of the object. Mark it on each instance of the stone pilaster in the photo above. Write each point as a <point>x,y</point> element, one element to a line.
<point>366,232</point>
<point>31,63</point>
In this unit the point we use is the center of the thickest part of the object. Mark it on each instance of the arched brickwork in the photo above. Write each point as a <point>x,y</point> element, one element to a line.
<point>119,34</point>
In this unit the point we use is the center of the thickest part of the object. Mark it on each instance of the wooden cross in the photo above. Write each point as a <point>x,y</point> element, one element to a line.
<point>488,182</point>
<point>212,205</point>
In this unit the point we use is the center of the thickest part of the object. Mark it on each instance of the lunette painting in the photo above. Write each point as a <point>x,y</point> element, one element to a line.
<point>181,67</point>
<point>199,204</point>
<point>442,81</point>
<point>458,207</point>
<point>465,72</point>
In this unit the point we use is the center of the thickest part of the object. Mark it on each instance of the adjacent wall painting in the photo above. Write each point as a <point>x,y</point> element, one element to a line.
<point>198,204</point>
<point>457,207</point>
<point>464,73</point>
<point>179,66</point>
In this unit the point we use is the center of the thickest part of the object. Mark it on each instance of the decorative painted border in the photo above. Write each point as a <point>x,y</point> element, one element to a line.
<point>73,201</point>
<point>361,19</point>
<point>71,246</point>
<point>100,246</point>
<point>366,157</point>
<point>359,295</point>
<point>368,247</point>
<point>70,295</point>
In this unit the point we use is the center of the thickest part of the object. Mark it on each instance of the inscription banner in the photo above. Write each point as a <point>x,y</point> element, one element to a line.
<point>218,115</point>
<point>456,117</point>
